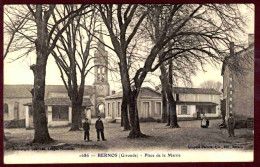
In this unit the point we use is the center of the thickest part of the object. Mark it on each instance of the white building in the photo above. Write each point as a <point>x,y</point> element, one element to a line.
<point>191,103</point>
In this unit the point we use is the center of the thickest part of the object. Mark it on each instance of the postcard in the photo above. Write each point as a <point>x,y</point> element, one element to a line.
<point>117,83</point>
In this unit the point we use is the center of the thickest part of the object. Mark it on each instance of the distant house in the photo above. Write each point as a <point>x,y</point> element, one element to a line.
<point>18,101</point>
<point>238,89</point>
<point>191,103</point>
<point>14,99</point>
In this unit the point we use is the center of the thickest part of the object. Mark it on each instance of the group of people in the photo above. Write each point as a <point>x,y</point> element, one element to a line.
<point>99,128</point>
<point>230,124</point>
<point>204,124</point>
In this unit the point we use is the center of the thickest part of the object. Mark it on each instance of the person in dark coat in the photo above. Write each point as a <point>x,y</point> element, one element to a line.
<point>100,129</point>
<point>231,124</point>
<point>86,129</point>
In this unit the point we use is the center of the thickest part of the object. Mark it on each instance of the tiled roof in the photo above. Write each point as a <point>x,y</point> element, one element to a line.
<point>120,94</point>
<point>18,91</point>
<point>63,102</point>
<point>194,91</point>
<point>23,91</point>
<point>180,90</point>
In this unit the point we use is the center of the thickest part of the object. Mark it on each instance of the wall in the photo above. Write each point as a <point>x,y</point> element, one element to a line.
<point>186,97</point>
<point>199,98</point>
<point>243,96</point>
<point>227,89</point>
<point>239,90</point>
<point>11,102</point>
<point>113,114</point>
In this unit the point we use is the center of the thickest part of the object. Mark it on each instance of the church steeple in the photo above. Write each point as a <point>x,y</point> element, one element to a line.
<point>100,61</point>
<point>101,45</point>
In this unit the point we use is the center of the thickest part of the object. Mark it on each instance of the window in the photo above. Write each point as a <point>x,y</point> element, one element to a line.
<point>16,110</point>
<point>6,110</point>
<point>113,108</point>
<point>146,107</point>
<point>230,105</point>
<point>158,108</point>
<point>230,92</point>
<point>118,109</point>
<point>184,110</point>
<point>211,110</point>
<point>60,113</point>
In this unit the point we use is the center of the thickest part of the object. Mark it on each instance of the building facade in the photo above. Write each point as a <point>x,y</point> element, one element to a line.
<point>238,88</point>
<point>191,103</point>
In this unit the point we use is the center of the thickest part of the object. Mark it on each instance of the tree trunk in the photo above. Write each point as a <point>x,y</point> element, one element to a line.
<point>172,111</point>
<point>75,117</point>
<point>172,114</point>
<point>124,115</point>
<point>164,107</point>
<point>80,116</point>
<point>171,100</point>
<point>41,134</point>
<point>168,114</point>
<point>134,119</point>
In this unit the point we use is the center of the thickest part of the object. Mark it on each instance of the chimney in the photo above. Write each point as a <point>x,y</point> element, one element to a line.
<point>232,49</point>
<point>251,39</point>
<point>113,92</point>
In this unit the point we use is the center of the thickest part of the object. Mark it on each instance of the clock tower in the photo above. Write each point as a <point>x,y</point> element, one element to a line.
<point>100,70</point>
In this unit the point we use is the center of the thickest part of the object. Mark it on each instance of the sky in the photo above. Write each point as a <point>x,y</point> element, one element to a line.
<point>18,72</point>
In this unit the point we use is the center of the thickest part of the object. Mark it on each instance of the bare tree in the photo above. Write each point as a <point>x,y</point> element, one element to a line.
<point>186,31</point>
<point>72,55</point>
<point>196,37</point>
<point>39,33</point>
<point>123,15</point>
<point>211,84</point>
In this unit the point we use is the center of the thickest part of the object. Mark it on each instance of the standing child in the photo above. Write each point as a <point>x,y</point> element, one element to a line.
<point>86,129</point>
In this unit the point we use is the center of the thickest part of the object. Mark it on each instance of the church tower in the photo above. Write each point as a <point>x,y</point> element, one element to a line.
<point>100,70</point>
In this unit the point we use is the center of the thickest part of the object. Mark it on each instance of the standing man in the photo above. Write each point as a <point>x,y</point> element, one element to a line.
<point>86,129</point>
<point>100,129</point>
<point>231,125</point>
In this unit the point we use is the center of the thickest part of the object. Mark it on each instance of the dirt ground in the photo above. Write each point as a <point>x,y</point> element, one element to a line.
<point>189,136</point>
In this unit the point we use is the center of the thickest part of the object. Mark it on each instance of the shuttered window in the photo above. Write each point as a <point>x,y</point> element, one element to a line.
<point>184,110</point>
<point>60,113</point>
<point>146,107</point>
<point>118,109</point>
